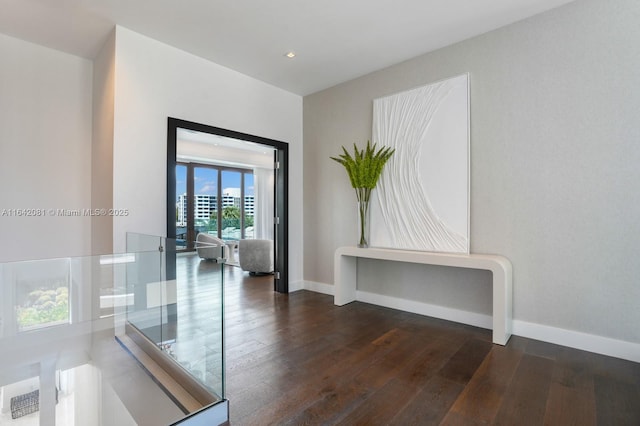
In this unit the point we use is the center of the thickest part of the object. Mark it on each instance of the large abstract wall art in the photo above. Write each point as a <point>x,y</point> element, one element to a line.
<point>423,193</point>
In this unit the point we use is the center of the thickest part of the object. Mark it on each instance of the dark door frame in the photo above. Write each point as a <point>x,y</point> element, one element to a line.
<point>281,204</point>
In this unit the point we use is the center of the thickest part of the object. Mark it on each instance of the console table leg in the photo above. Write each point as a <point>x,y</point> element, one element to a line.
<point>345,279</point>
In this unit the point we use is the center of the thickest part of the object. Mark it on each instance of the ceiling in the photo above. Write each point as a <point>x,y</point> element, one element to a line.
<point>334,40</point>
<point>222,141</point>
<point>207,148</point>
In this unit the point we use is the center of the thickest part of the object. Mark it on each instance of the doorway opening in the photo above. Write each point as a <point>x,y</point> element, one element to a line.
<point>228,184</point>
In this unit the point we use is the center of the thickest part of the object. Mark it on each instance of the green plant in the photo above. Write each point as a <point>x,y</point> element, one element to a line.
<point>231,212</point>
<point>364,169</point>
<point>44,306</point>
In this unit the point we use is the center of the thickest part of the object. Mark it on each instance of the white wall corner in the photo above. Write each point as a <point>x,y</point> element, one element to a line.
<point>296,286</point>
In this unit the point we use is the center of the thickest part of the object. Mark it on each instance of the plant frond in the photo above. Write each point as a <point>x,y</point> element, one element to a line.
<point>364,167</point>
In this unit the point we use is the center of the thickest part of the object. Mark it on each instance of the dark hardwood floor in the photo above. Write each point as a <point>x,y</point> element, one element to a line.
<point>299,360</point>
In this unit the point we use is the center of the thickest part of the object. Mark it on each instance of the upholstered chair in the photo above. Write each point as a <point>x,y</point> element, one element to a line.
<point>210,247</point>
<point>256,256</point>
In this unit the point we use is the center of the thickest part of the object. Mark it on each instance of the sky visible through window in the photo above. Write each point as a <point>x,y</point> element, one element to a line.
<point>206,181</point>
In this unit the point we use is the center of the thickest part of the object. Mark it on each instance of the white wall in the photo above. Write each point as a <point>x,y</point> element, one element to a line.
<point>155,81</point>
<point>555,181</point>
<point>102,147</point>
<point>45,150</point>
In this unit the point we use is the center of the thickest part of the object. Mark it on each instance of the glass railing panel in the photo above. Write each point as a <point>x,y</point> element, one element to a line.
<point>144,279</point>
<point>108,280</point>
<point>57,315</point>
<point>60,362</point>
<point>144,282</point>
<point>180,307</point>
<point>199,326</point>
<point>143,242</point>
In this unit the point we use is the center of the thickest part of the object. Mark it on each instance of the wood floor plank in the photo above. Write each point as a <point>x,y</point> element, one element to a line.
<point>435,354</point>
<point>382,406</point>
<point>617,402</point>
<point>347,392</point>
<point>412,376</point>
<point>248,401</point>
<point>430,405</point>
<point>322,385</point>
<point>614,368</point>
<point>571,399</point>
<point>526,397</point>
<point>484,393</point>
<point>570,406</point>
<point>464,363</point>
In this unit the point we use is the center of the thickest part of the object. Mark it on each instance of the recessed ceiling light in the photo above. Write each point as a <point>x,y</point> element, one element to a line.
<point>290,55</point>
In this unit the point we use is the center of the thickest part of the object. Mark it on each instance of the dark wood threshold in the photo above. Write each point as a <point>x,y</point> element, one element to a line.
<point>180,386</point>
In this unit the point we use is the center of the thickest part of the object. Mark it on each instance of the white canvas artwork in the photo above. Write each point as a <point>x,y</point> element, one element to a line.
<point>423,193</point>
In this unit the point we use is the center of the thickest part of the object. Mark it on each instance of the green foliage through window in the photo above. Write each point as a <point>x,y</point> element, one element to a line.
<point>44,306</point>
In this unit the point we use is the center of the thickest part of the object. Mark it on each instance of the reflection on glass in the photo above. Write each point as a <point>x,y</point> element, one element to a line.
<point>205,200</point>
<point>42,294</point>
<point>231,210</point>
<point>249,206</point>
<point>181,317</point>
<point>22,399</point>
<point>181,207</point>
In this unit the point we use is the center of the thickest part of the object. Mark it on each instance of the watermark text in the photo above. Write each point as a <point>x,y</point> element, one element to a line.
<point>50,212</point>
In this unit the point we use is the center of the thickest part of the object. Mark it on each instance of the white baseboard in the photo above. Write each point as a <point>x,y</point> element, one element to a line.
<point>578,340</point>
<point>319,287</point>
<point>449,314</point>
<point>296,286</point>
<point>573,339</point>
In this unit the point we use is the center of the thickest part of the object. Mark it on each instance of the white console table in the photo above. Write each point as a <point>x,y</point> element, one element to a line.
<point>345,277</point>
